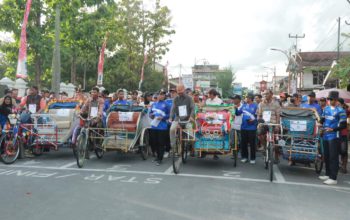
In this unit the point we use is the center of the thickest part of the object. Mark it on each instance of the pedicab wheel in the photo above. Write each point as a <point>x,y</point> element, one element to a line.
<point>235,158</point>
<point>81,149</point>
<point>9,149</point>
<point>270,163</point>
<point>184,152</point>
<point>177,151</point>
<point>318,164</point>
<point>143,151</point>
<point>99,152</point>
<point>37,150</point>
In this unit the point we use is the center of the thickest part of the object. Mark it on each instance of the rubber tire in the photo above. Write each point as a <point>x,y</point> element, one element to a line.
<point>270,163</point>
<point>318,165</point>
<point>184,152</point>
<point>143,149</point>
<point>99,152</point>
<point>2,139</point>
<point>175,159</point>
<point>235,158</point>
<point>81,149</point>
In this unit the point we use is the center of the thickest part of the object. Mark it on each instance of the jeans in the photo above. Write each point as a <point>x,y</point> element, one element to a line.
<point>331,157</point>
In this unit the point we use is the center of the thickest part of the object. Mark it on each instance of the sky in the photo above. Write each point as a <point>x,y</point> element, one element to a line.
<point>239,33</point>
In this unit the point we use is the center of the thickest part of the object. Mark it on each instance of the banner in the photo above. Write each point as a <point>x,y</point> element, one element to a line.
<point>101,61</point>
<point>143,70</point>
<point>22,54</point>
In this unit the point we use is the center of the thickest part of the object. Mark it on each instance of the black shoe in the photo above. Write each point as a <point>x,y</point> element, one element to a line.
<point>215,157</point>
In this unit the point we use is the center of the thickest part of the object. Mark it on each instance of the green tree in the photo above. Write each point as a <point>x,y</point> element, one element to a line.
<point>342,72</point>
<point>225,80</point>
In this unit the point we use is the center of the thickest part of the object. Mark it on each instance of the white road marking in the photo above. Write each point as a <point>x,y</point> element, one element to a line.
<point>186,175</point>
<point>278,174</point>
<point>73,163</point>
<point>31,162</point>
<point>169,170</point>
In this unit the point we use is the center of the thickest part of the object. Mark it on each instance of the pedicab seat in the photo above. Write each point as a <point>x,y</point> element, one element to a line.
<point>123,120</point>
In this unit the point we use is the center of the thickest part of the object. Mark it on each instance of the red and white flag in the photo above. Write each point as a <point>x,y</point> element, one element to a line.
<point>22,55</point>
<point>101,61</point>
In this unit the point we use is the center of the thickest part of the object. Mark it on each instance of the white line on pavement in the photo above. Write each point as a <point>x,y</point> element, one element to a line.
<point>278,174</point>
<point>185,175</point>
<point>73,163</point>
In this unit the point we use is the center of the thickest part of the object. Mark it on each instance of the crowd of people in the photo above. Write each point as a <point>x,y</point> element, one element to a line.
<point>167,108</point>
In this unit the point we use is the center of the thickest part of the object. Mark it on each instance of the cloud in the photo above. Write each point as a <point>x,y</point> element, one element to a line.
<point>240,32</point>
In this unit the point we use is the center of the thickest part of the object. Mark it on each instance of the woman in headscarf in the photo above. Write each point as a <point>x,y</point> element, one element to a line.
<point>5,110</point>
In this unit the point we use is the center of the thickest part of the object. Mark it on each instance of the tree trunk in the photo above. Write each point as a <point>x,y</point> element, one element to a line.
<point>38,71</point>
<point>73,70</point>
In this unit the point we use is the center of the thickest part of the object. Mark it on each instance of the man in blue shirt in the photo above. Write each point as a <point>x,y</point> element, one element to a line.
<point>312,103</point>
<point>121,98</point>
<point>333,120</point>
<point>248,128</point>
<point>159,113</point>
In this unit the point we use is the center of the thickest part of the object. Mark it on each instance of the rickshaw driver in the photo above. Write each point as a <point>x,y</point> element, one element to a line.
<point>268,111</point>
<point>92,108</point>
<point>181,110</point>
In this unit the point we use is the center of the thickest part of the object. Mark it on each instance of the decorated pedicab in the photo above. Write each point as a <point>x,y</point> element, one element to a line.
<point>126,131</point>
<point>300,140</point>
<point>52,129</point>
<point>211,136</point>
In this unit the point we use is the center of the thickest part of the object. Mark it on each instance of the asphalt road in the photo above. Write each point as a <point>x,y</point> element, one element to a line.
<point>121,186</point>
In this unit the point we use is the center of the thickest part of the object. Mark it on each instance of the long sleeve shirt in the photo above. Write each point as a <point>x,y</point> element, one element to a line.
<point>182,108</point>
<point>160,109</point>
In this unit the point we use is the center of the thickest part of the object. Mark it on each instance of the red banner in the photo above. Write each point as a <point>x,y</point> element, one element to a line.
<point>101,61</point>
<point>142,70</point>
<point>22,55</point>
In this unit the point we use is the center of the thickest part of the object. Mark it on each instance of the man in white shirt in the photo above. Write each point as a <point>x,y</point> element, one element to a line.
<point>213,98</point>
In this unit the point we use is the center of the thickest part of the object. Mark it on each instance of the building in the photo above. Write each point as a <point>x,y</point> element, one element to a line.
<point>204,76</point>
<point>312,69</point>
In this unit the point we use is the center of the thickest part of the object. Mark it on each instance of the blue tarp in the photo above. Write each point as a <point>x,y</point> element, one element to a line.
<point>59,105</point>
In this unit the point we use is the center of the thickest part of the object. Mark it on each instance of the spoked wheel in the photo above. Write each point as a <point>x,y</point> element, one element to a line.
<point>143,149</point>
<point>99,152</point>
<point>176,152</point>
<point>266,158</point>
<point>270,162</point>
<point>81,149</point>
<point>9,148</point>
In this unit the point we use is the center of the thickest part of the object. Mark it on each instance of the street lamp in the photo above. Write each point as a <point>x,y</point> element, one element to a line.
<point>289,57</point>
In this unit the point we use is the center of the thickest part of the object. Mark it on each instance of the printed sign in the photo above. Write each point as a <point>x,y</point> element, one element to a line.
<point>297,125</point>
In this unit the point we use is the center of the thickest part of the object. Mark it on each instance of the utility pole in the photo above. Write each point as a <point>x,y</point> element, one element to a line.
<point>296,39</point>
<point>338,44</point>
<point>56,62</point>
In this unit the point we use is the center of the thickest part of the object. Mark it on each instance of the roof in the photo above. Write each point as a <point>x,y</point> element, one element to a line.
<point>317,59</point>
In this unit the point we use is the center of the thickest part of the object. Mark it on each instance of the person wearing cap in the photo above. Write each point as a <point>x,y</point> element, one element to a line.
<point>268,111</point>
<point>311,103</point>
<point>121,98</point>
<point>248,128</point>
<point>213,98</point>
<point>344,138</point>
<point>181,110</point>
<point>295,100</point>
<point>159,113</point>
<point>323,104</point>
<point>333,120</point>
